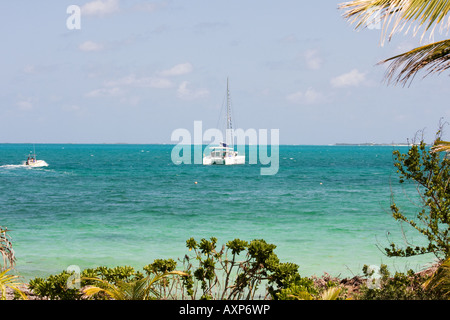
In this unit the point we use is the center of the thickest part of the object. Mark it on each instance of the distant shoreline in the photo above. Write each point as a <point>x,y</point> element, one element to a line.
<point>374,144</point>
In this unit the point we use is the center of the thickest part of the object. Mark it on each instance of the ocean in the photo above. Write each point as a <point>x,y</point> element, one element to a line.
<point>327,209</point>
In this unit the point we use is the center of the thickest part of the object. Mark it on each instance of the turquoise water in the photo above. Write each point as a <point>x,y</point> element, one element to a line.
<point>327,208</point>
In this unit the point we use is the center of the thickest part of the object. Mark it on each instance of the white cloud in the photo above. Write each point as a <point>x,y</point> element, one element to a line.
<point>350,79</point>
<point>25,104</point>
<point>115,88</point>
<point>187,94</point>
<point>310,96</point>
<point>90,46</point>
<point>179,69</point>
<point>313,61</point>
<point>146,82</point>
<point>100,7</point>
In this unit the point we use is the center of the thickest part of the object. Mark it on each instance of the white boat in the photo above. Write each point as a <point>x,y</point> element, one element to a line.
<point>32,161</point>
<point>225,153</point>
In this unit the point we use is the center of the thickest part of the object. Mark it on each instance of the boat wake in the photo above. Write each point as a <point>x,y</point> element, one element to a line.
<point>12,166</point>
<point>37,164</point>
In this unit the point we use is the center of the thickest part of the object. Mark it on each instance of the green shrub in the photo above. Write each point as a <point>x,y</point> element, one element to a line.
<point>399,286</point>
<point>55,287</point>
<point>430,172</point>
<point>237,270</point>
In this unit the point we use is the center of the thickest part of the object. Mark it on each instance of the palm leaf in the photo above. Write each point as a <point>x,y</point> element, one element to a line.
<point>331,294</point>
<point>142,289</point>
<point>396,15</point>
<point>434,57</point>
<point>135,290</point>
<point>8,280</point>
<point>440,279</point>
<point>302,295</point>
<point>440,146</point>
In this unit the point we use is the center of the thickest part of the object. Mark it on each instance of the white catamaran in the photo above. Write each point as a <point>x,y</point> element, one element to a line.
<point>225,153</point>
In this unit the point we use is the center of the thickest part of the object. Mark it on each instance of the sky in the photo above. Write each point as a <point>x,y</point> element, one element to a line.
<point>134,71</point>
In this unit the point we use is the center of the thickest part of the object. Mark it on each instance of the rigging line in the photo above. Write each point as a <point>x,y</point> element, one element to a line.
<point>220,114</point>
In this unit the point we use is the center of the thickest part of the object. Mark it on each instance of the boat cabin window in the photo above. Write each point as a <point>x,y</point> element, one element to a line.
<point>217,153</point>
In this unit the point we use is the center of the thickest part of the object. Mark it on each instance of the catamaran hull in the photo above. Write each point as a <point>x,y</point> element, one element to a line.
<point>224,161</point>
<point>235,160</point>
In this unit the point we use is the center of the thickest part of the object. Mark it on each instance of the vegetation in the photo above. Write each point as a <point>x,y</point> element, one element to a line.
<point>121,283</point>
<point>439,282</point>
<point>139,289</point>
<point>430,171</point>
<point>7,253</point>
<point>399,286</point>
<point>6,249</point>
<point>427,168</point>
<point>239,270</point>
<point>394,16</point>
<point>209,274</point>
<point>10,281</point>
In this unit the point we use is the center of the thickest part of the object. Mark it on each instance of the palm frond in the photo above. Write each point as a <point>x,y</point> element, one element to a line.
<point>9,281</point>
<point>141,289</point>
<point>434,57</point>
<point>396,15</point>
<point>331,294</point>
<point>440,279</point>
<point>441,146</point>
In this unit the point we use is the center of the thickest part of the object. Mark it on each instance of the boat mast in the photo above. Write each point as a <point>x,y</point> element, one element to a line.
<point>229,133</point>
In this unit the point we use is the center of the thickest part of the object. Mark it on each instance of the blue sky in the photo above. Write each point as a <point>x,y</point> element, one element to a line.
<point>138,70</point>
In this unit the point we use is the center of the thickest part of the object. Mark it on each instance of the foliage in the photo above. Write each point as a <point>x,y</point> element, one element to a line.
<point>400,286</point>
<point>8,257</point>
<point>54,287</point>
<point>6,249</point>
<point>439,282</point>
<point>300,289</point>
<point>9,281</point>
<point>66,285</point>
<point>234,272</point>
<point>431,172</point>
<point>237,270</point>
<point>398,15</point>
<point>299,293</point>
<point>140,289</point>
<point>166,287</point>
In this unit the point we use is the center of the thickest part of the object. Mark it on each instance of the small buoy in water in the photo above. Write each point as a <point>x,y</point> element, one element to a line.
<point>321,183</point>
<point>195,182</point>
